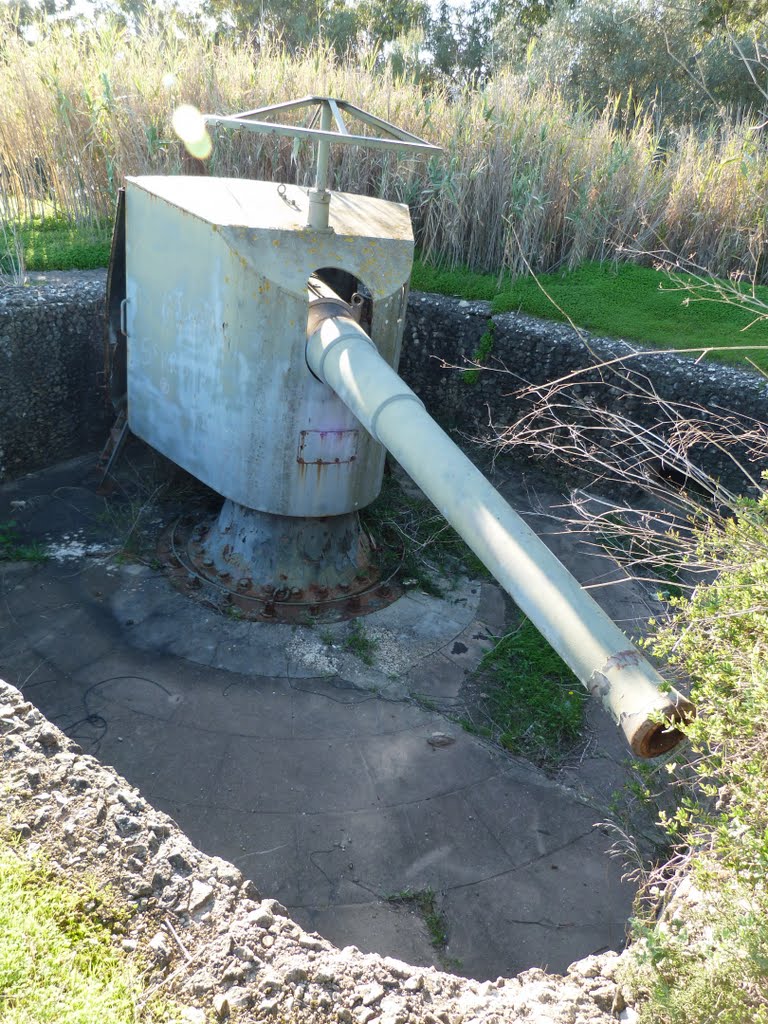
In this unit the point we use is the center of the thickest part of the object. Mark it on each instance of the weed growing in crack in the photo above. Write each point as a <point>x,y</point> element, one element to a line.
<point>481,353</point>
<point>12,550</point>
<point>426,903</point>
<point>358,642</point>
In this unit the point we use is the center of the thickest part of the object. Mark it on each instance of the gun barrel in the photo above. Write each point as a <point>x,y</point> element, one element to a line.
<point>610,667</point>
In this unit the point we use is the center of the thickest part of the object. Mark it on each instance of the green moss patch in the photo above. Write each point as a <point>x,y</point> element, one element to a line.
<point>621,301</point>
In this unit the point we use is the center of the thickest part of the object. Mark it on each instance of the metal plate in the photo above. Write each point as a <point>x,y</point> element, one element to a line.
<point>327,447</point>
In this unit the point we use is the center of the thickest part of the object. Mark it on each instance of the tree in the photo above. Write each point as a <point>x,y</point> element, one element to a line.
<point>297,23</point>
<point>479,57</point>
<point>529,15</point>
<point>382,22</point>
<point>339,26</point>
<point>733,15</point>
<point>443,41</point>
<point>293,21</point>
<point>461,39</point>
<point>25,12</point>
<point>597,49</point>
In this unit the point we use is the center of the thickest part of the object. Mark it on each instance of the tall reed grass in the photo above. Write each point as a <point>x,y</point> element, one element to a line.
<point>526,179</point>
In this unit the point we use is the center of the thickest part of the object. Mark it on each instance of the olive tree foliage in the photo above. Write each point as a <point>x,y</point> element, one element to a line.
<point>683,57</point>
<point>518,26</point>
<point>25,13</point>
<point>733,15</point>
<point>345,24</point>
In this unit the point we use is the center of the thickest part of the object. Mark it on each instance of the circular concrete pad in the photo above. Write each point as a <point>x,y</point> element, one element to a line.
<point>395,640</point>
<point>326,780</point>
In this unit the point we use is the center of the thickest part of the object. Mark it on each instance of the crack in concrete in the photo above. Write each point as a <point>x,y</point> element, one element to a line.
<point>525,864</point>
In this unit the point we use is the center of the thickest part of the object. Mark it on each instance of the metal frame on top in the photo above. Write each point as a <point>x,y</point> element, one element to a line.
<point>328,110</point>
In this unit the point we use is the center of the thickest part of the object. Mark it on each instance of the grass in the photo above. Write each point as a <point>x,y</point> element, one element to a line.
<point>533,705</point>
<point>526,178</point>
<point>58,959</point>
<point>459,281</point>
<point>618,300</point>
<point>11,548</point>
<point>415,540</point>
<point>62,245</point>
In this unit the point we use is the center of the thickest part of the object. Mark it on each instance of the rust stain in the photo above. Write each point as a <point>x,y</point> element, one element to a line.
<point>621,660</point>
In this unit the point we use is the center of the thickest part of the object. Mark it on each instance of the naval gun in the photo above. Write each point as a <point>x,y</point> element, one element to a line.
<point>255,333</point>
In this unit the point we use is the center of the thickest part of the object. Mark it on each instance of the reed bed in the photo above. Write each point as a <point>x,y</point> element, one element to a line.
<point>526,181</point>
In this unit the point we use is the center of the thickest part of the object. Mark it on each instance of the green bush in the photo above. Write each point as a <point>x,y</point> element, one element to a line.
<point>711,964</point>
<point>707,967</point>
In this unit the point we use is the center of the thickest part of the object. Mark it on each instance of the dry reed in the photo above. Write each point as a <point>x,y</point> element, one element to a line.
<point>526,179</point>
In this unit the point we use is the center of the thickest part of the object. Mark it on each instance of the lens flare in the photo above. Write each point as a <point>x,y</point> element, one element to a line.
<point>189,125</point>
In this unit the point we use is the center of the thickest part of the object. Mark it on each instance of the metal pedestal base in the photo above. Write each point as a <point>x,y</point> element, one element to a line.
<point>294,557</point>
<point>282,568</point>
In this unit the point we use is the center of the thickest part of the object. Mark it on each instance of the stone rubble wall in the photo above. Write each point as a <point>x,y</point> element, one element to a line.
<point>52,405</point>
<point>444,332</point>
<point>218,948</point>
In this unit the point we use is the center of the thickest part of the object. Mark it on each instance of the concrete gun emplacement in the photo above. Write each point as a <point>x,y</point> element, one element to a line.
<point>237,306</point>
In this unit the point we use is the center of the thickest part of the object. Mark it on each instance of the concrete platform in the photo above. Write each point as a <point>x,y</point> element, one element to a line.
<point>337,786</point>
